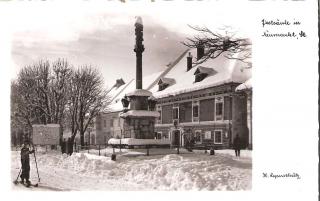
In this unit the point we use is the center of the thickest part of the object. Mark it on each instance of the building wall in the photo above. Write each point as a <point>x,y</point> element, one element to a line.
<point>106,125</point>
<point>232,120</point>
<point>239,117</point>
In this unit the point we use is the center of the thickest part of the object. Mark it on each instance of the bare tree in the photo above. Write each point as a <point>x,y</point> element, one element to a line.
<point>40,93</point>
<point>88,99</point>
<point>56,93</point>
<point>217,44</point>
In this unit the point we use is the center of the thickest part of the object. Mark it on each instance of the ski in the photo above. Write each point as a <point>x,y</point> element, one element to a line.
<point>25,184</point>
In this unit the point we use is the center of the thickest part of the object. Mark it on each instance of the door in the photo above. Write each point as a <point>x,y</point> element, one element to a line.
<point>175,138</point>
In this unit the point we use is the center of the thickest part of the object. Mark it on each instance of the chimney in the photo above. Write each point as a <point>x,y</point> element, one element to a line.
<point>200,52</point>
<point>189,61</point>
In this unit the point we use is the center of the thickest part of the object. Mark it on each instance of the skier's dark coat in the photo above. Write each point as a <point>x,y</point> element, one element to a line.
<point>25,163</point>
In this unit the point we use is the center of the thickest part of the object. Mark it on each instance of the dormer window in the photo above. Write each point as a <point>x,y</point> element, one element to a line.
<point>165,82</point>
<point>119,82</point>
<point>203,72</point>
<point>162,86</point>
<point>199,77</point>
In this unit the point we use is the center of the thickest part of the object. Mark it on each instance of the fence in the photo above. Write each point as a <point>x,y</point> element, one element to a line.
<point>102,149</point>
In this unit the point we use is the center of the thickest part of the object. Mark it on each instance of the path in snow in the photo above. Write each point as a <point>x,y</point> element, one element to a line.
<point>193,171</point>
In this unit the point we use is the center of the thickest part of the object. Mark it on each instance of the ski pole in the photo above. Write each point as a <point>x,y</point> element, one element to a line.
<point>16,181</point>
<point>35,159</point>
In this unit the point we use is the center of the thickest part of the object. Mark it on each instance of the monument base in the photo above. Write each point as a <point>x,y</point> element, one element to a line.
<point>139,127</point>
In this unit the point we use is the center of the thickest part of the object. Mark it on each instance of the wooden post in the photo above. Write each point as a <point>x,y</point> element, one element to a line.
<point>105,150</point>
<point>178,152</point>
<point>113,155</point>
<point>99,150</point>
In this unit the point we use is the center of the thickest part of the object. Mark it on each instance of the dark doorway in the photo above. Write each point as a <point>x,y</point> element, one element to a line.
<point>176,138</point>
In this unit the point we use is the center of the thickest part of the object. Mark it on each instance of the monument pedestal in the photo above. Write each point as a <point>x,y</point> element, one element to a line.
<point>138,119</point>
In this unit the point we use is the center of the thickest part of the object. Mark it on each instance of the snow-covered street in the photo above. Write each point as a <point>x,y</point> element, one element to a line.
<point>134,171</point>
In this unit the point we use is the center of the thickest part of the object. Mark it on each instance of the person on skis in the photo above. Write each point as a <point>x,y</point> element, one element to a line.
<point>237,145</point>
<point>25,163</point>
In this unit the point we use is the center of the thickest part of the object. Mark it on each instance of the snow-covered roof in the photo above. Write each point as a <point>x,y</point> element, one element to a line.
<point>140,113</point>
<point>246,85</point>
<point>117,94</point>
<point>223,71</point>
<point>139,20</point>
<point>220,71</point>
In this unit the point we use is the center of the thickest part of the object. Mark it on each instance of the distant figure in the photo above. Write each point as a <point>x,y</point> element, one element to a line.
<point>70,146</point>
<point>63,146</point>
<point>237,145</point>
<point>25,163</point>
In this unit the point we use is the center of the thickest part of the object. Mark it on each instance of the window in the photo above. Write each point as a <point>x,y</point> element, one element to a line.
<point>159,118</point>
<point>164,82</point>
<point>158,135</point>
<point>207,135</point>
<point>175,113</point>
<point>111,122</point>
<point>197,136</point>
<point>166,114</point>
<point>164,135</point>
<point>105,123</point>
<point>195,111</point>
<point>199,77</point>
<point>163,86</point>
<point>185,112</point>
<point>218,137</point>
<point>219,109</point>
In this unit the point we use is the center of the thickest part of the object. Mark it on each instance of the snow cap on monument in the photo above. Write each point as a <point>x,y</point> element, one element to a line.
<point>139,20</point>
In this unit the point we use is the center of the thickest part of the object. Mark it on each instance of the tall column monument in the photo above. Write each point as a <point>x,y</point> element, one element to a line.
<point>139,117</point>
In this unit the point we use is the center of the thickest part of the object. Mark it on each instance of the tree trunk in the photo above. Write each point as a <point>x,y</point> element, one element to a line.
<point>81,139</point>
<point>72,139</point>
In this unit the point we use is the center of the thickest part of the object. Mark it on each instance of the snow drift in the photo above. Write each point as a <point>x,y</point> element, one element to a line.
<point>194,171</point>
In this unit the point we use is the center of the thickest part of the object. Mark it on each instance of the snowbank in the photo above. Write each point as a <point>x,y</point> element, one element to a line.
<point>193,171</point>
